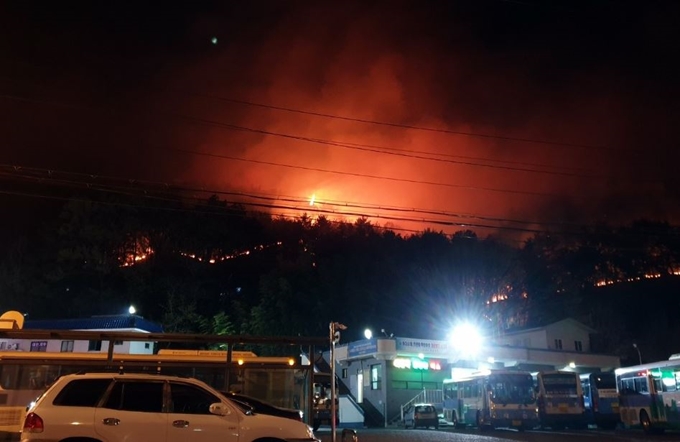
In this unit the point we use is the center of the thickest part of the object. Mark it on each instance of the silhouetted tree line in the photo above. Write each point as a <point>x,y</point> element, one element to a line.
<point>214,267</point>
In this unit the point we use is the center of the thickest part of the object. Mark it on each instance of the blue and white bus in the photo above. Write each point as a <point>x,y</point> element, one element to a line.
<point>560,400</point>
<point>649,395</point>
<point>601,399</point>
<point>491,399</point>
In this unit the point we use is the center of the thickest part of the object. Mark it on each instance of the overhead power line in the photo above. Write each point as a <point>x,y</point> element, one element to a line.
<point>362,175</point>
<point>411,126</point>
<point>322,207</point>
<point>372,149</point>
<point>200,207</point>
<point>383,150</point>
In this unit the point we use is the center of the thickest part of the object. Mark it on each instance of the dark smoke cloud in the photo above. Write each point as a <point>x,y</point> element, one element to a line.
<point>591,76</point>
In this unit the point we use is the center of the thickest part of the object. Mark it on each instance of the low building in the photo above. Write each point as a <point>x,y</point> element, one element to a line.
<point>383,375</point>
<point>118,323</point>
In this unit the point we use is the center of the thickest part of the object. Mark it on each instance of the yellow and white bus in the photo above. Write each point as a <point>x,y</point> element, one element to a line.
<point>25,375</point>
<point>490,399</point>
<point>560,400</point>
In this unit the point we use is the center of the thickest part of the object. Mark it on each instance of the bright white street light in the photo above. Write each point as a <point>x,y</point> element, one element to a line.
<point>466,339</point>
<point>368,333</point>
<point>132,310</point>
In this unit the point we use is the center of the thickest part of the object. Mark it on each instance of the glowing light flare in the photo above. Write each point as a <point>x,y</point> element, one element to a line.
<point>312,200</point>
<point>466,339</point>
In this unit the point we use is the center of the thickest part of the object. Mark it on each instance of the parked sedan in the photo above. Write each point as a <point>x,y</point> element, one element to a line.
<point>421,415</point>
<point>248,403</point>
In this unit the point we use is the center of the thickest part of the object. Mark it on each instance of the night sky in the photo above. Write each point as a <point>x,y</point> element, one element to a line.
<point>518,115</point>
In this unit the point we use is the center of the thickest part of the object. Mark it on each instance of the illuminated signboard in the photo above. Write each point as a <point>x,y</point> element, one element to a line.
<point>426,346</point>
<point>417,364</point>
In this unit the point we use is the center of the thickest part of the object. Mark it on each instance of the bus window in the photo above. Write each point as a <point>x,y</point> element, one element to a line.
<point>10,374</point>
<point>641,385</point>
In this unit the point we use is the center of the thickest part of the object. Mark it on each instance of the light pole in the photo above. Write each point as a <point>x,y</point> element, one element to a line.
<point>334,336</point>
<point>635,346</point>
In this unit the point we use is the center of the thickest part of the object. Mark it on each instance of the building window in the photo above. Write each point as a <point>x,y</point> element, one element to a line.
<point>39,346</point>
<point>94,346</point>
<point>558,344</point>
<point>147,345</point>
<point>578,345</point>
<point>117,342</point>
<point>67,346</point>
<point>375,377</point>
<point>344,373</point>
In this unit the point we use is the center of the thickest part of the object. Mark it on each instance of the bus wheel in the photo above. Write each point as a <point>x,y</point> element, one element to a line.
<point>480,424</point>
<point>646,423</point>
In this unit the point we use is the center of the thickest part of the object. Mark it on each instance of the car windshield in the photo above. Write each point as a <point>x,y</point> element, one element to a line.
<point>243,406</point>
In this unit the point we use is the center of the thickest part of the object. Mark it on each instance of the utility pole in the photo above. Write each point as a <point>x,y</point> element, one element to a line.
<point>334,337</point>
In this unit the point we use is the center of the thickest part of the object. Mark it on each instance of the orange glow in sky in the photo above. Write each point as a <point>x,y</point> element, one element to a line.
<point>410,118</point>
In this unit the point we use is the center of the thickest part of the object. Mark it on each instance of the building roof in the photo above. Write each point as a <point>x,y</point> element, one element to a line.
<point>570,321</point>
<point>112,322</point>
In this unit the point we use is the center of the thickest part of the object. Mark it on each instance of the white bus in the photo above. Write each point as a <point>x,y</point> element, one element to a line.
<point>560,400</point>
<point>490,399</point>
<point>649,395</point>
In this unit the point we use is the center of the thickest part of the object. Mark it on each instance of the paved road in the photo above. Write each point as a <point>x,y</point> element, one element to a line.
<point>401,435</point>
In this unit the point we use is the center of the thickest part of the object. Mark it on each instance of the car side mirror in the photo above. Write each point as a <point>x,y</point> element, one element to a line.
<point>219,409</point>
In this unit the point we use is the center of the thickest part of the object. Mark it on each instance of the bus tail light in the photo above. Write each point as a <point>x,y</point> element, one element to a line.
<point>596,403</point>
<point>33,423</point>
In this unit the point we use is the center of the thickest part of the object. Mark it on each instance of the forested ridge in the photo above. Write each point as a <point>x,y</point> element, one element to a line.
<point>214,267</point>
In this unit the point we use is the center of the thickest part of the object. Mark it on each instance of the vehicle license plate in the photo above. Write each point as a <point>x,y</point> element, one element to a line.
<point>563,408</point>
<point>516,423</point>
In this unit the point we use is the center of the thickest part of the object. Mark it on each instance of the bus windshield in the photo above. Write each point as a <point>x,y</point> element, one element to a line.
<point>512,388</point>
<point>605,381</point>
<point>561,384</point>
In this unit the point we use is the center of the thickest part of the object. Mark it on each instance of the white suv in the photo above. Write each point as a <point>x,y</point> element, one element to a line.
<point>111,407</point>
